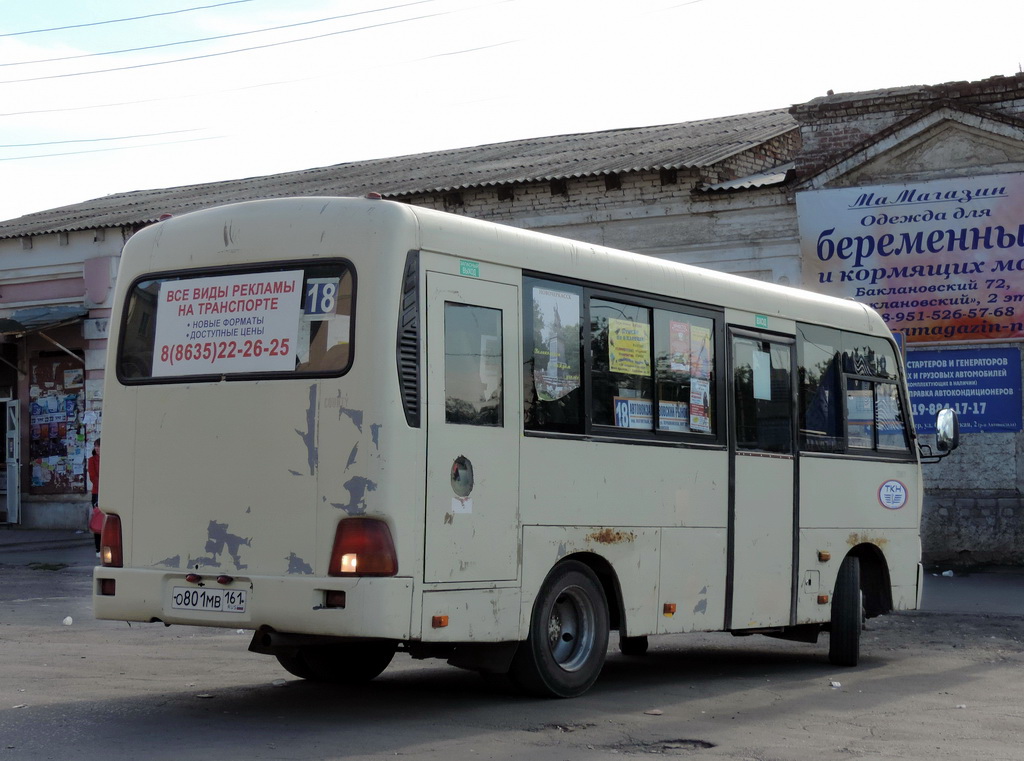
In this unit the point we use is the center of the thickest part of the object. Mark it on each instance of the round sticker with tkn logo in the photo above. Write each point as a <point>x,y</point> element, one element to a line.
<point>892,495</point>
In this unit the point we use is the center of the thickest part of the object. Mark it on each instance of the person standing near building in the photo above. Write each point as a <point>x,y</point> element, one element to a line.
<point>94,480</point>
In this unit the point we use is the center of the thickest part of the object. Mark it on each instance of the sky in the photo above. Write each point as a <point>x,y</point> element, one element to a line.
<point>95,100</point>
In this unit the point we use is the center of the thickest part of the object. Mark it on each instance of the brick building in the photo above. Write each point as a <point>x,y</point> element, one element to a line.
<point>723,193</point>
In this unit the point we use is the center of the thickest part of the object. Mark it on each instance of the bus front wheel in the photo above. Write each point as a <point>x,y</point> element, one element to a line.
<point>847,615</point>
<point>568,638</point>
<point>340,664</point>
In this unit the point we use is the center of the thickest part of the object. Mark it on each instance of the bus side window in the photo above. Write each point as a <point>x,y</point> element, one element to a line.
<point>819,352</point>
<point>875,418</point>
<point>620,341</point>
<point>762,381</point>
<point>473,383</point>
<point>849,396</point>
<point>685,357</point>
<point>552,387</point>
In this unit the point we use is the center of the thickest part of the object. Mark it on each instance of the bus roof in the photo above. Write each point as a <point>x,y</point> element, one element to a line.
<point>303,219</point>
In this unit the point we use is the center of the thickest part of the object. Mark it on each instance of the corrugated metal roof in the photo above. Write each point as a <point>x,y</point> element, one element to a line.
<point>669,146</point>
<point>774,176</point>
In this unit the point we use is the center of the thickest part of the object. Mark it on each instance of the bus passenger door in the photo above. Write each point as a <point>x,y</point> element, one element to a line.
<point>762,506</point>
<point>474,418</point>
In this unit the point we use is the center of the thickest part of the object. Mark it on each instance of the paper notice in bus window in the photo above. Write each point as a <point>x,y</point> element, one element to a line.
<point>629,347</point>
<point>700,405</point>
<point>228,324</point>
<point>632,412</point>
<point>679,346</point>
<point>490,365</point>
<point>860,418</point>
<point>700,352</point>
<point>556,355</point>
<point>674,416</point>
<point>762,369</point>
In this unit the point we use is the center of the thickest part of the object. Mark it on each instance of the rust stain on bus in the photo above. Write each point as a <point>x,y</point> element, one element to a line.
<point>608,536</point>
<point>854,539</point>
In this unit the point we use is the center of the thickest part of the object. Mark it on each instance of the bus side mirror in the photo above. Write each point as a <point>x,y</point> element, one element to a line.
<point>947,430</point>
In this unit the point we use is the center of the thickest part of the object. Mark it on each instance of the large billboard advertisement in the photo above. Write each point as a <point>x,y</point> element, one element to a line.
<point>940,260</point>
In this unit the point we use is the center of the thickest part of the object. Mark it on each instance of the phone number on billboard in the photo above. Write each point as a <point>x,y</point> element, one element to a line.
<point>213,350</point>
<point>948,314</point>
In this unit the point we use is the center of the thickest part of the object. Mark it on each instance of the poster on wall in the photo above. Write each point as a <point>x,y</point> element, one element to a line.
<point>941,260</point>
<point>982,385</point>
<point>56,450</point>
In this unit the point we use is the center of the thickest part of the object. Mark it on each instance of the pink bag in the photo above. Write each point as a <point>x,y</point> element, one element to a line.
<point>96,521</point>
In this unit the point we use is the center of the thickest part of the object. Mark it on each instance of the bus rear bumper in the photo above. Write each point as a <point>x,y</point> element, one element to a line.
<point>369,607</point>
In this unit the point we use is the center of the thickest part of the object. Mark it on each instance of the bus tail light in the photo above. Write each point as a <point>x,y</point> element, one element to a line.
<point>111,552</point>
<point>363,547</point>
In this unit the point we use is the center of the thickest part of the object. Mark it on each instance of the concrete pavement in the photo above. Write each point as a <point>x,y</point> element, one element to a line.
<point>995,592</point>
<point>55,546</point>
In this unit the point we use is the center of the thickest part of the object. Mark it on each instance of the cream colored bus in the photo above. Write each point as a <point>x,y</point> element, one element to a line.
<point>357,427</point>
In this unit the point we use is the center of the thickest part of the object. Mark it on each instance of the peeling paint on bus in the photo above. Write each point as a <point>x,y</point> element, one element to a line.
<point>219,540</point>
<point>357,487</point>
<point>309,435</point>
<point>298,565</point>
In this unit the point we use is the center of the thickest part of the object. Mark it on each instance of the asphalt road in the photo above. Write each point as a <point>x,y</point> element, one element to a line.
<point>943,683</point>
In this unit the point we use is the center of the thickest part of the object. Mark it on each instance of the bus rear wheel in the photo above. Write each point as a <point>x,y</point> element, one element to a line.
<point>847,615</point>
<point>351,663</point>
<point>565,650</point>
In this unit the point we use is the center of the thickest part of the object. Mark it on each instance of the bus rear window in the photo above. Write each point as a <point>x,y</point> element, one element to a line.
<point>293,318</point>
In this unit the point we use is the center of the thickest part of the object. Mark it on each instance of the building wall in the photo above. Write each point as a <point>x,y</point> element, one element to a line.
<point>74,269</point>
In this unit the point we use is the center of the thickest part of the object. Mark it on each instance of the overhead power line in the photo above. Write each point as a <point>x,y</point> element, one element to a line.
<point>212,39</point>
<point>120,20</point>
<point>98,139</point>
<point>119,148</point>
<point>225,52</point>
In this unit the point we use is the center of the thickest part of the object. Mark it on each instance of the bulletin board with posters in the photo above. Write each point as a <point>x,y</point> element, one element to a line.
<point>56,451</point>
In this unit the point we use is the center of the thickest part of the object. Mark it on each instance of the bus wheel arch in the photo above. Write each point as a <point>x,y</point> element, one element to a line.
<point>862,590</point>
<point>631,646</point>
<point>567,639</point>
<point>875,583</point>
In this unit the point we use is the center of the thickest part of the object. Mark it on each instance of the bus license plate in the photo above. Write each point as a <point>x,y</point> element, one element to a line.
<point>217,600</point>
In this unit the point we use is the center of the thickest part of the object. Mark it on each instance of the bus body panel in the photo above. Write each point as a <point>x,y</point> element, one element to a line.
<point>828,485</point>
<point>677,486</point>
<point>374,607</point>
<point>692,580</point>
<point>472,615</point>
<point>234,500</point>
<point>763,543</point>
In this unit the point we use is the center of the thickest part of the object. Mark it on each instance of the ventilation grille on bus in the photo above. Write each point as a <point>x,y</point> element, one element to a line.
<point>409,340</point>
